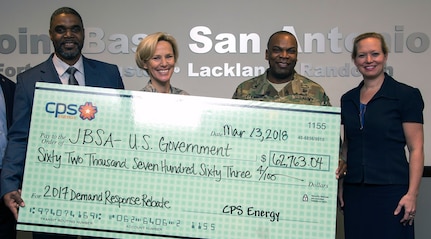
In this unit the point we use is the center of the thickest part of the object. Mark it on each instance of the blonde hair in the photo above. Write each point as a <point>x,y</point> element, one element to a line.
<point>366,35</point>
<point>147,47</point>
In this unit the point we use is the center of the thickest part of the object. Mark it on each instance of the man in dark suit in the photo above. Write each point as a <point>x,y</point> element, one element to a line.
<point>7,220</point>
<point>67,35</point>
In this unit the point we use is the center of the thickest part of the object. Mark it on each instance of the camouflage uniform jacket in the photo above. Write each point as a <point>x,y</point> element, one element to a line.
<point>300,90</point>
<point>150,88</point>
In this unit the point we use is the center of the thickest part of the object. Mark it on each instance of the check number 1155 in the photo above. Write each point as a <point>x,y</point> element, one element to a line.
<point>204,226</point>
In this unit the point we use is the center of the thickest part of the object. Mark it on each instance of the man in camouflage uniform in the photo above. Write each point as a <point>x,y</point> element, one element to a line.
<point>280,82</point>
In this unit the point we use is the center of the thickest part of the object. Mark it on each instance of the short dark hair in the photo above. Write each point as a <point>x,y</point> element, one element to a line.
<point>276,33</point>
<point>65,10</point>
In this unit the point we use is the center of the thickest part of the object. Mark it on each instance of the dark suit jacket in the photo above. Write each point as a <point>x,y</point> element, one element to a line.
<point>97,74</point>
<point>8,88</point>
<point>7,220</point>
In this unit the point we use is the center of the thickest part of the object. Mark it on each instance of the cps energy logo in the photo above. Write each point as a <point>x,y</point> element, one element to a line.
<point>86,111</point>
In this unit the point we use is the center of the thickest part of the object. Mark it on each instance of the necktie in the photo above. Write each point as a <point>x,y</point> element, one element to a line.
<point>72,80</point>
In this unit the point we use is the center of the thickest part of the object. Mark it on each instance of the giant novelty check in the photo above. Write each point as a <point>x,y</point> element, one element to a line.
<point>129,164</point>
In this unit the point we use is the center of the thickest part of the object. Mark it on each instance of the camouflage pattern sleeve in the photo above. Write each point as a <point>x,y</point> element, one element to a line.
<point>300,90</point>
